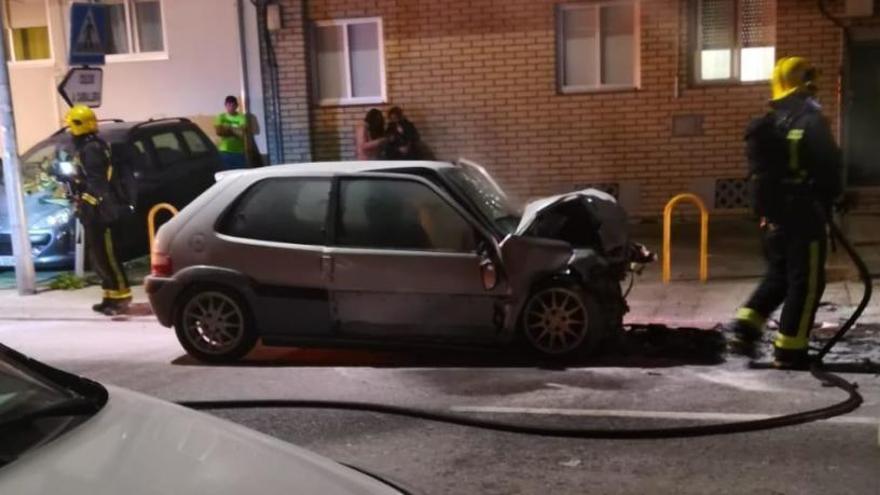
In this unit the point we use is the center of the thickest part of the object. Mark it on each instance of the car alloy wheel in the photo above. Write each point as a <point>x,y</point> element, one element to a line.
<point>213,323</point>
<point>556,320</point>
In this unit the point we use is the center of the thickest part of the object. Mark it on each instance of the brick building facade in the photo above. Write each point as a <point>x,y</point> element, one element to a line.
<point>480,80</point>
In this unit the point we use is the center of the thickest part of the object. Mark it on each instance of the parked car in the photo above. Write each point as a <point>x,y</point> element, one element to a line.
<point>373,252</point>
<point>174,162</point>
<point>60,433</point>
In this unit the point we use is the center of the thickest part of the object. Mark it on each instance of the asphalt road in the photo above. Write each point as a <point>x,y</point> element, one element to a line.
<point>657,380</point>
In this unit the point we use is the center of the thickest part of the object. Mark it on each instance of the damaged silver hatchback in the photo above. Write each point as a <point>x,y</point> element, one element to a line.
<point>365,253</point>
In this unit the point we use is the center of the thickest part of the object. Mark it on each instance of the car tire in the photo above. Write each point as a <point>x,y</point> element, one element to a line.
<point>213,324</point>
<point>562,319</point>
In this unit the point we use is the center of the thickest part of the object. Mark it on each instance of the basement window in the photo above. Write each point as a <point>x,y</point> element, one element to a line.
<point>597,46</point>
<point>349,61</point>
<point>735,40</point>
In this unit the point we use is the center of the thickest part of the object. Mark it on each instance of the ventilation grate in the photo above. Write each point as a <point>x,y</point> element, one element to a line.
<point>731,194</point>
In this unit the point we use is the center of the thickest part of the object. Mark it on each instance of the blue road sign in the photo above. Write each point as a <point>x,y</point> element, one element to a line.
<point>88,34</point>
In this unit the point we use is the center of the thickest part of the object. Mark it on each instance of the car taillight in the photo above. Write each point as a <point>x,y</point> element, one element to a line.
<point>160,265</point>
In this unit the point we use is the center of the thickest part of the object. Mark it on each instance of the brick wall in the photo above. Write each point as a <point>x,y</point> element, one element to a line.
<point>478,78</point>
<point>293,90</point>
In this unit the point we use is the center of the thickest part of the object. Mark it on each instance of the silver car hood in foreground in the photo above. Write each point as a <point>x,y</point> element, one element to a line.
<point>612,218</point>
<point>141,445</point>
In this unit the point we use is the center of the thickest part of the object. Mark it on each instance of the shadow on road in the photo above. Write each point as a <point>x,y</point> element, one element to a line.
<point>643,346</point>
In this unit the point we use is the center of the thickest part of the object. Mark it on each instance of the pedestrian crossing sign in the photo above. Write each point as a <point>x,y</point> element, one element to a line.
<point>88,34</point>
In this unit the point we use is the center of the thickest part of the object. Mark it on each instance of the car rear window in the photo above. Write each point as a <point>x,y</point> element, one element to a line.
<point>289,210</point>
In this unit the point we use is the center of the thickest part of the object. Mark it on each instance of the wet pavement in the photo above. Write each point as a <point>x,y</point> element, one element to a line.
<point>654,377</point>
<point>667,369</point>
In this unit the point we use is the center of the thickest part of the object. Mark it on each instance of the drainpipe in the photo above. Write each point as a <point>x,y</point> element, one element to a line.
<point>242,54</point>
<point>245,95</point>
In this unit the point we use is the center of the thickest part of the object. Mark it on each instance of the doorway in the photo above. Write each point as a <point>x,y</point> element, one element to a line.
<point>863,116</point>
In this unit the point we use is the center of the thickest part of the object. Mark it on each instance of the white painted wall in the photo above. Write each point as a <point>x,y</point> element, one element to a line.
<point>201,65</point>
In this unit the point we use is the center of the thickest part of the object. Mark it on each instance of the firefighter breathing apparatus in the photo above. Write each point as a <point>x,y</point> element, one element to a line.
<point>817,369</point>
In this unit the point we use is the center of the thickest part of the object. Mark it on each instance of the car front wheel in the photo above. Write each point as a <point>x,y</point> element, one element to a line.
<point>560,320</point>
<point>213,325</point>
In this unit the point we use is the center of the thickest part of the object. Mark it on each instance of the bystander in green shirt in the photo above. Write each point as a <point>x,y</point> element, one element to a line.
<point>238,123</point>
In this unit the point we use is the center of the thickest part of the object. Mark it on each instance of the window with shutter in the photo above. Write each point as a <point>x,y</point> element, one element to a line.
<point>735,40</point>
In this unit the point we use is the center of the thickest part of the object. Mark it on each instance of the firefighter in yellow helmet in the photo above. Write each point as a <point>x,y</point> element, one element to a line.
<point>98,207</point>
<point>795,173</point>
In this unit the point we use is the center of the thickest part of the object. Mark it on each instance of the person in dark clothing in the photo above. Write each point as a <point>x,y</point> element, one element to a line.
<point>402,138</point>
<point>795,167</point>
<point>98,206</point>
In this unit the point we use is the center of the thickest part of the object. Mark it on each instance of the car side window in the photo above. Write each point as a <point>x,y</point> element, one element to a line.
<point>289,210</point>
<point>195,142</point>
<point>399,214</point>
<point>140,158</point>
<point>169,149</point>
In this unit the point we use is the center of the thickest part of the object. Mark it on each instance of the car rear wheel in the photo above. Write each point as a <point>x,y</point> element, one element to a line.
<point>214,325</point>
<point>560,320</point>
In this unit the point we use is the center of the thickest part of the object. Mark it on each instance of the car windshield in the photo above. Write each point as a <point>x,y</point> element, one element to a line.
<point>38,403</point>
<point>36,165</point>
<point>476,184</point>
<point>23,391</point>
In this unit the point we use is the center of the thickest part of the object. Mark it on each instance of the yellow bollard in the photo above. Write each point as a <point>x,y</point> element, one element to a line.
<point>667,235</point>
<point>151,220</point>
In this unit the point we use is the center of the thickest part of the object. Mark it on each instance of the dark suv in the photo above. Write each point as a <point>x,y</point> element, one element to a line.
<point>173,160</point>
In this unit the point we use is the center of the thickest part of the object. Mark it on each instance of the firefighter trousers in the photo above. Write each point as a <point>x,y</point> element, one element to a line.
<point>795,277</point>
<point>100,242</point>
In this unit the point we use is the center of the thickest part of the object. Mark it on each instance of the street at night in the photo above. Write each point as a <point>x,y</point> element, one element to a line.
<point>637,390</point>
<point>464,247</point>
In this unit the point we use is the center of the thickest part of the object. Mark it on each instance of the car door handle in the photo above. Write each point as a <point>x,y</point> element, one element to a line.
<point>327,267</point>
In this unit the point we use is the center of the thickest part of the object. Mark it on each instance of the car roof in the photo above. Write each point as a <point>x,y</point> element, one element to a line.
<point>117,130</point>
<point>332,168</point>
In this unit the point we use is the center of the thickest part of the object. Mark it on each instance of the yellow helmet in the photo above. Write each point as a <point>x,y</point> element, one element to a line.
<point>81,120</point>
<point>792,75</point>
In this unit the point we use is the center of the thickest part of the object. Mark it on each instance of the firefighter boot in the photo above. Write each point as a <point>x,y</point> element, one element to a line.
<point>790,359</point>
<point>742,338</point>
<point>116,307</point>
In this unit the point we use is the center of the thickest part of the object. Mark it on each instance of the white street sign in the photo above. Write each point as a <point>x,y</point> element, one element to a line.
<point>82,86</point>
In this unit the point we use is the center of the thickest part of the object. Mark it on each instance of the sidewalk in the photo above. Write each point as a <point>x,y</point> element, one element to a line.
<point>681,303</point>
<point>68,305</point>
<point>735,263</point>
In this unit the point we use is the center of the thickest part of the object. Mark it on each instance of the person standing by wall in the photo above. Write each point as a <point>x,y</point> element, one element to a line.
<point>369,136</point>
<point>232,127</point>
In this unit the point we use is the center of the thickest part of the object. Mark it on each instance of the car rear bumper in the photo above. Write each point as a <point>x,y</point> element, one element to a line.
<point>163,293</point>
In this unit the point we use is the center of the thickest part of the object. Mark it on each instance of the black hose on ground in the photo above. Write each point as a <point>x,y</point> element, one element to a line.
<point>853,401</point>
<point>864,275</point>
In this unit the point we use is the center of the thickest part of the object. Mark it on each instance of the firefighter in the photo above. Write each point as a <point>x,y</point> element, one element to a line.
<point>795,174</point>
<point>98,206</point>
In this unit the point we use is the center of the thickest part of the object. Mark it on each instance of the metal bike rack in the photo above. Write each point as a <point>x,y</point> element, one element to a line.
<point>151,219</point>
<point>667,235</point>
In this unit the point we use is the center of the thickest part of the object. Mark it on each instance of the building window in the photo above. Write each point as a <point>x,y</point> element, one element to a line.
<point>135,27</point>
<point>597,46</point>
<point>349,61</point>
<point>28,31</point>
<point>735,40</point>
